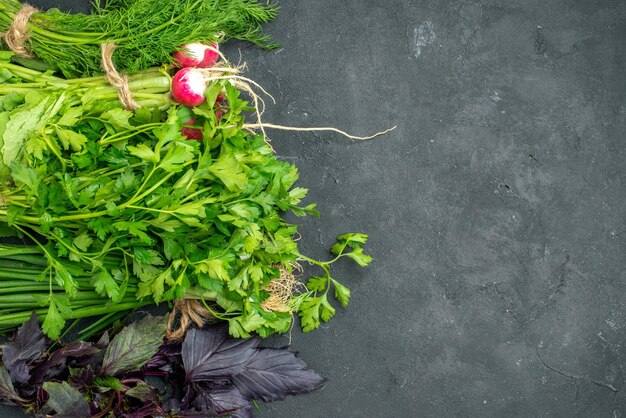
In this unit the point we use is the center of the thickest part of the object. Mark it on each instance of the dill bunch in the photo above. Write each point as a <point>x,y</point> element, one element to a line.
<point>146,32</point>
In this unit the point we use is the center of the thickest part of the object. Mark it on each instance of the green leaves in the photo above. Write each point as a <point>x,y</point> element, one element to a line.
<point>70,117</point>
<point>26,176</point>
<point>22,123</point>
<point>70,139</point>
<point>214,268</point>
<point>66,401</point>
<point>133,346</point>
<point>133,212</point>
<point>314,307</point>
<point>83,241</point>
<point>105,284</point>
<point>118,118</point>
<point>143,152</point>
<point>58,311</point>
<point>230,172</point>
<point>358,256</point>
<point>342,293</point>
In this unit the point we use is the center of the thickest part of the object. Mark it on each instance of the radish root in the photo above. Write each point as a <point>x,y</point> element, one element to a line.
<point>282,289</point>
<point>253,126</point>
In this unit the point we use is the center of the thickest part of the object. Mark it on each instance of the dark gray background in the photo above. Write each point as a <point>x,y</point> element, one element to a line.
<point>496,210</point>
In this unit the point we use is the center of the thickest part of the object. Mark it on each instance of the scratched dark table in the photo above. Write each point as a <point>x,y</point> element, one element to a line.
<point>496,209</point>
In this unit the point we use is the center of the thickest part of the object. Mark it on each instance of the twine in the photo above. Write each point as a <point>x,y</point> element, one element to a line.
<point>17,35</point>
<point>187,311</point>
<point>117,80</point>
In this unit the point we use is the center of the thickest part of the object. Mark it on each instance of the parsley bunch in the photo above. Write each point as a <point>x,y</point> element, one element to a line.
<point>148,215</point>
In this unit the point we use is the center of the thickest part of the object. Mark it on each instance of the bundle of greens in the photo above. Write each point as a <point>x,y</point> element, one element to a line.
<point>146,32</point>
<point>207,374</point>
<point>23,290</point>
<point>149,215</point>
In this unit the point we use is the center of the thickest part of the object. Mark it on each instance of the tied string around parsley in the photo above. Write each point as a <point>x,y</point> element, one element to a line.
<point>188,312</point>
<point>185,313</point>
<point>17,35</point>
<point>117,80</point>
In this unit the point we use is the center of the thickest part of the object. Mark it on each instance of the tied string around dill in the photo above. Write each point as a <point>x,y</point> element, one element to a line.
<point>17,35</point>
<point>117,80</point>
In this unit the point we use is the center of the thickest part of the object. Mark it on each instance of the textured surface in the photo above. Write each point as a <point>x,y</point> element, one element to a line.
<point>496,210</point>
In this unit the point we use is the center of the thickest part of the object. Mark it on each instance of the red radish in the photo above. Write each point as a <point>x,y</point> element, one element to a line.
<point>197,55</point>
<point>191,133</point>
<point>188,86</point>
<point>219,102</point>
<point>196,133</point>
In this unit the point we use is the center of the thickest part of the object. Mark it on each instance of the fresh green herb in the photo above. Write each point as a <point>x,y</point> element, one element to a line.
<point>149,215</point>
<point>146,32</point>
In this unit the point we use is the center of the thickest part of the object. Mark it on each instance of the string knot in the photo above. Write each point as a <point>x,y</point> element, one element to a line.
<point>117,80</point>
<point>18,34</point>
<point>185,313</point>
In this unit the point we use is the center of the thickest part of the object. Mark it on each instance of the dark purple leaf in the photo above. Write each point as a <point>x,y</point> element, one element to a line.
<point>25,347</point>
<point>172,406</point>
<point>66,401</point>
<point>7,391</point>
<point>217,401</point>
<point>209,354</point>
<point>57,362</point>
<point>166,358</point>
<point>95,361</point>
<point>103,341</point>
<point>82,378</point>
<point>134,346</point>
<point>272,373</point>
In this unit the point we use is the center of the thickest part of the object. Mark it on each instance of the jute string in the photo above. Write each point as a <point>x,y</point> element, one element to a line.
<point>185,313</point>
<point>117,80</point>
<point>188,312</point>
<point>17,35</point>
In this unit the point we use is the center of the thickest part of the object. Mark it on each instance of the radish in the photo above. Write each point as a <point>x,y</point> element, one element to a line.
<point>197,55</point>
<point>188,86</point>
<point>196,133</point>
<point>191,133</point>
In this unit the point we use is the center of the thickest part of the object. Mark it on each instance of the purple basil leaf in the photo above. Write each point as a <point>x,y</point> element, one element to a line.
<point>134,346</point>
<point>25,347</point>
<point>172,406</point>
<point>66,401</point>
<point>217,401</point>
<point>273,373</point>
<point>82,378</point>
<point>103,341</point>
<point>166,358</point>
<point>7,391</point>
<point>210,353</point>
<point>57,362</point>
<point>94,361</point>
